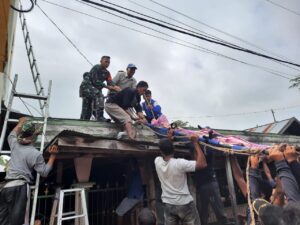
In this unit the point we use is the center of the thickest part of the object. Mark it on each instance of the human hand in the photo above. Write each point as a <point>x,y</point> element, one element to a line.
<point>117,88</point>
<point>194,138</point>
<point>53,149</point>
<point>150,106</point>
<point>290,153</point>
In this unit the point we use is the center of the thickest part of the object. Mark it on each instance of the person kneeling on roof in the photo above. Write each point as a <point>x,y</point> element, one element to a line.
<point>24,158</point>
<point>153,111</point>
<point>119,105</point>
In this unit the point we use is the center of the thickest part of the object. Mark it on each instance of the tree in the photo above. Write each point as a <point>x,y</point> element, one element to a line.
<point>295,82</point>
<point>181,123</point>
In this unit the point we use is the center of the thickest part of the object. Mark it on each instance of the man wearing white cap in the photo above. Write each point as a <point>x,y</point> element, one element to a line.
<point>125,79</point>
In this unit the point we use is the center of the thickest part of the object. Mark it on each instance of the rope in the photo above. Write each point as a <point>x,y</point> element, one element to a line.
<point>249,193</point>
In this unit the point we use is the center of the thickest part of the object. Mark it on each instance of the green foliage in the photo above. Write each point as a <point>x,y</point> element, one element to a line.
<point>295,82</point>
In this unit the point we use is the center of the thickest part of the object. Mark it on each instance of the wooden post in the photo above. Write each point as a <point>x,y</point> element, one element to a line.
<point>231,187</point>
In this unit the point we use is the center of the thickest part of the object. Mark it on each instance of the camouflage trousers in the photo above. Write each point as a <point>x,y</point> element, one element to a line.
<point>92,106</point>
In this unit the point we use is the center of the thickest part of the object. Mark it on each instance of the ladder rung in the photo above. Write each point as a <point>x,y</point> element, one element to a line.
<point>32,187</point>
<point>29,50</point>
<point>16,121</point>
<point>40,91</point>
<point>73,217</point>
<point>5,152</point>
<point>22,95</point>
<point>72,190</point>
<point>13,120</point>
<point>67,213</point>
<point>32,64</point>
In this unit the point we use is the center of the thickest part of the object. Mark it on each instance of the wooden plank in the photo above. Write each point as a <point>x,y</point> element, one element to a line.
<point>4,12</point>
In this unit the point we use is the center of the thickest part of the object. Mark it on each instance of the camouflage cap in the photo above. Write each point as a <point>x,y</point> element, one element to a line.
<point>29,131</point>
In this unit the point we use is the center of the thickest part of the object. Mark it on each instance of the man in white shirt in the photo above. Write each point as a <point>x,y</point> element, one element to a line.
<point>179,207</point>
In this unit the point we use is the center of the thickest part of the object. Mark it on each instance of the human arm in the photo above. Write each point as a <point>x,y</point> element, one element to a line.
<point>200,158</point>
<point>12,137</point>
<point>254,177</point>
<point>291,156</point>
<point>110,84</point>
<point>41,167</point>
<point>289,183</point>
<point>238,175</point>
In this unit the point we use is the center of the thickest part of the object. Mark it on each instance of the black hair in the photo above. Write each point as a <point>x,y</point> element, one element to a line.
<point>291,213</point>
<point>105,57</point>
<point>271,215</point>
<point>142,84</point>
<point>146,217</point>
<point>166,146</point>
<point>148,92</point>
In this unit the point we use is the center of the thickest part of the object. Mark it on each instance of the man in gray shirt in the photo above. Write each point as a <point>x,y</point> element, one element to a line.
<point>125,79</point>
<point>24,159</point>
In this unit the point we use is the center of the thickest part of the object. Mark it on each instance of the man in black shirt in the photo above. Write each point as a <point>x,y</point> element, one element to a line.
<point>208,191</point>
<point>118,106</point>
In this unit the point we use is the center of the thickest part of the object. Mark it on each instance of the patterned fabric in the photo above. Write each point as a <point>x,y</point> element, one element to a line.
<point>87,90</point>
<point>98,75</point>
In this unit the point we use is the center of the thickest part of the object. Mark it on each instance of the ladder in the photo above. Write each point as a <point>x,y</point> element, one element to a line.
<point>80,207</point>
<point>45,108</point>
<point>32,60</point>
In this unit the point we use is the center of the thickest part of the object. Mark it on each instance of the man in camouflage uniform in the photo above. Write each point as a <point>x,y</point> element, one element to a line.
<point>91,90</point>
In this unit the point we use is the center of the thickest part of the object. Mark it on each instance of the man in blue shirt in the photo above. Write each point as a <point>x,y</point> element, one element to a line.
<point>151,108</point>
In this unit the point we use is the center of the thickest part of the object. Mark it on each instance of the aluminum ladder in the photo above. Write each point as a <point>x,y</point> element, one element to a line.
<point>32,60</point>
<point>80,211</point>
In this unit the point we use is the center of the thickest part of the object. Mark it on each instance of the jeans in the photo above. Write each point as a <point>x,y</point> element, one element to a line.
<point>210,194</point>
<point>181,214</point>
<point>13,205</point>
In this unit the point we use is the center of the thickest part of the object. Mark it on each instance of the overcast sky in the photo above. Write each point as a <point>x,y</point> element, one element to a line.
<point>189,84</point>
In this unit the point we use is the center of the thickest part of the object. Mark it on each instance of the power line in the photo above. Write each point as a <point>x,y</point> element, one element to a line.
<point>68,39</point>
<point>196,47</point>
<point>237,38</point>
<point>208,35</point>
<point>283,7</point>
<point>199,48</point>
<point>191,34</point>
<point>237,114</point>
<point>207,25</point>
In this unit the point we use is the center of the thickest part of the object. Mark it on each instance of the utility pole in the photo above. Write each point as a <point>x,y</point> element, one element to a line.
<point>273,113</point>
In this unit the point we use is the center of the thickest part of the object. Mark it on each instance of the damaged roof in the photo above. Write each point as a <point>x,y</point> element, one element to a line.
<point>279,127</point>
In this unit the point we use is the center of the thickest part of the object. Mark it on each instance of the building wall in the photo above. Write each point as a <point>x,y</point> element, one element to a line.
<point>8,19</point>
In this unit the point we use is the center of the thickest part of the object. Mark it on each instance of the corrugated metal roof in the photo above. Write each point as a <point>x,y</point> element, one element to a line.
<point>275,128</point>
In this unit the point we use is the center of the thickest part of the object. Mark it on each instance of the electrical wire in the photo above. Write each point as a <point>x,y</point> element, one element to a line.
<point>68,39</point>
<point>191,34</point>
<point>207,25</point>
<point>24,10</point>
<point>283,7</point>
<point>238,114</point>
<point>196,47</point>
<point>208,36</point>
<point>195,28</point>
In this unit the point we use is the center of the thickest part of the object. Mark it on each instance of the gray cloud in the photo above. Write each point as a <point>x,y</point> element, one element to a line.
<point>186,82</point>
